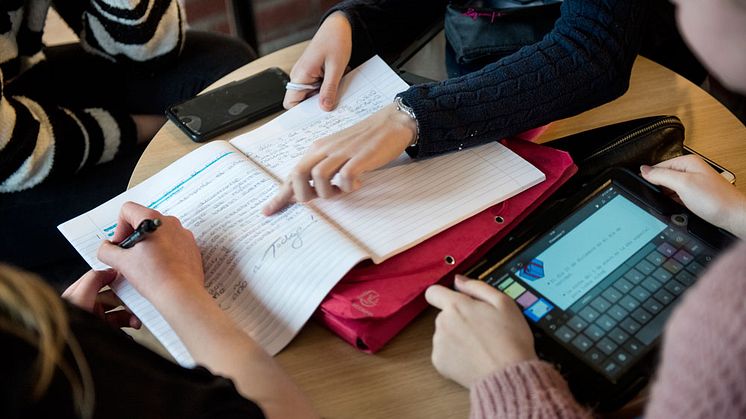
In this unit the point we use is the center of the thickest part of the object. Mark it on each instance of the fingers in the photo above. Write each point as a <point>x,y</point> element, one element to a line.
<point>130,215</point>
<point>110,254</point>
<point>689,163</point>
<point>670,178</point>
<point>122,318</point>
<point>441,297</point>
<point>283,198</point>
<point>332,76</point>
<point>480,290</point>
<point>85,291</point>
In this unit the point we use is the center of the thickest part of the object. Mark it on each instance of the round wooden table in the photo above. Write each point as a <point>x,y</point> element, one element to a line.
<point>400,381</point>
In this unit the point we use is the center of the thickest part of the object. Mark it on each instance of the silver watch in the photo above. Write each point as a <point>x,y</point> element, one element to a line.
<point>403,107</point>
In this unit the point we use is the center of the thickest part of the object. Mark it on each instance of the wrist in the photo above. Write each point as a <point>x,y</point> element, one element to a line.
<point>410,120</point>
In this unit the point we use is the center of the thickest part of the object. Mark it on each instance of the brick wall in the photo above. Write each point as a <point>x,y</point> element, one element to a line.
<point>279,23</point>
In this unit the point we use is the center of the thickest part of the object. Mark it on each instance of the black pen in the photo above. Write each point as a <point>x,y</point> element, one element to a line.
<point>145,227</point>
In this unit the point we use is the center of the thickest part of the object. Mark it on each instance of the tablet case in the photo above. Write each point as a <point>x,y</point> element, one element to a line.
<point>372,303</point>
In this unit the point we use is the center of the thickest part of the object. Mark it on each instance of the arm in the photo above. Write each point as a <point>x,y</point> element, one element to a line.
<point>171,277</point>
<point>585,61</point>
<point>482,342</point>
<point>40,141</point>
<point>702,358</point>
<point>145,34</point>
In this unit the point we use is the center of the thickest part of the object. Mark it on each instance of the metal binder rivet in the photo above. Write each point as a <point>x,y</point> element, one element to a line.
<point>499,219</point>
<point>450,260</point>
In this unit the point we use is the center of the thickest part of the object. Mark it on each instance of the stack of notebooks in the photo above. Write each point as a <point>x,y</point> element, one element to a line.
<point>409,226</point>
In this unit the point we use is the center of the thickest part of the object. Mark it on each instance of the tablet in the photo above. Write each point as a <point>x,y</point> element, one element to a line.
<point>598,277</point>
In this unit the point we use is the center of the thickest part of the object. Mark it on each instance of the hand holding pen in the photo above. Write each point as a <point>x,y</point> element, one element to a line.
<point>164,262</point>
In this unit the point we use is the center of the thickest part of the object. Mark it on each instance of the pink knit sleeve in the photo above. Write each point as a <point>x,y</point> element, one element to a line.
<point>533,389</point>
<point>703,364</point>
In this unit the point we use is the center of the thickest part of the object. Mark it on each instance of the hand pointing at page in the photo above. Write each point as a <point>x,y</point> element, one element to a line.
<point>366,146</point>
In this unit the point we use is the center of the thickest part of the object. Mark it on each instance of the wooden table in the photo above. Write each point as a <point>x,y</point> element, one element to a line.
<point>399,381</point>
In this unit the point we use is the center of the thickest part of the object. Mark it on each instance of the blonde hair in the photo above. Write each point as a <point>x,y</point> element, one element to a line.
<point>31,311</point>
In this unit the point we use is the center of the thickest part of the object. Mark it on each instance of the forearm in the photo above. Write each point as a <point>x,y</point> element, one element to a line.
<point>527,389</point>
<point>216,342</point>
<point>584,62</point>
<point>387,27</point>
<point>42,141</point>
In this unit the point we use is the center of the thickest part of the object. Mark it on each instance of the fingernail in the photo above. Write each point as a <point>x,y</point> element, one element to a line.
<point>328,103</point>
<point>460,280</point>
<point>644,169</point>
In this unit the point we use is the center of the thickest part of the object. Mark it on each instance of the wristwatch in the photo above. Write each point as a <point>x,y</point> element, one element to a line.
<point>403,107</point>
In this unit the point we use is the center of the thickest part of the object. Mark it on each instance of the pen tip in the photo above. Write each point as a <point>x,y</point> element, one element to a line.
<point>157,222</point>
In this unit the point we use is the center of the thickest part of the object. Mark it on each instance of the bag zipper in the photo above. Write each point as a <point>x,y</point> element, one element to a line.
<point>671,120</point>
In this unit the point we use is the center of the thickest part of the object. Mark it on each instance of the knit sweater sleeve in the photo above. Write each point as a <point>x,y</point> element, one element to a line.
<point>702,373</point>
<point>40,141</point>
<point>144,34</point>
<point>531,389</point>
<point>585,61</point>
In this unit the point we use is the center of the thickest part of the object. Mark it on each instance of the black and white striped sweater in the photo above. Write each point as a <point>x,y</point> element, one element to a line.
<point>42,140</point>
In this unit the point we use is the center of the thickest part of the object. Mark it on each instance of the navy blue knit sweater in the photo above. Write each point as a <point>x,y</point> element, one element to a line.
<point>585,61</point>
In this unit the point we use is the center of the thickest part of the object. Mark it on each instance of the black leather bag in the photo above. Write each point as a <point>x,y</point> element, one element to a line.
<point>483,31</point>
<point>627,144</point>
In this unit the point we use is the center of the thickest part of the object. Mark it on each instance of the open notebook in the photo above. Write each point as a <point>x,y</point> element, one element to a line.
<point>270,273</point>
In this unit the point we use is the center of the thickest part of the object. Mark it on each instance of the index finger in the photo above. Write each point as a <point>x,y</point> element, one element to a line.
<point>130,215</point>
<point>440,297</point>
<point>282,199</point>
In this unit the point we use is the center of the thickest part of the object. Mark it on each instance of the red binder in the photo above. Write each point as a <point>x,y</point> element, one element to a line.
<point>373,303</point>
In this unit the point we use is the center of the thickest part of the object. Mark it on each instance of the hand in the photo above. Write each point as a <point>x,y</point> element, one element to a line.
<point>325,58</point>
<point>479,331</point>
<point>165,262</point>
<point>86,294</point>
<point>363,147</point>
<point>147,126</point>
<point>702,190</point>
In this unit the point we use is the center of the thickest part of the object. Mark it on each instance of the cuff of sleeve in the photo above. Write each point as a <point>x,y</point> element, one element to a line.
<point>526,389</point>
<point>415,97</point>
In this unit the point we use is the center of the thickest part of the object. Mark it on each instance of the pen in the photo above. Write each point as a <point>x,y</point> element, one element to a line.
<point>301,86</point>
<point>145,227</point>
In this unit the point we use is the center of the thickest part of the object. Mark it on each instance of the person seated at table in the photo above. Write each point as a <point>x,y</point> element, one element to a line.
<point>483,342</point>
<point>68,108</point>
<point>585,61</point>
<point>60,360</point>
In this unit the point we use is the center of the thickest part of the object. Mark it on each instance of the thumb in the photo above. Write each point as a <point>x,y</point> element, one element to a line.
<point>669,178</point>
<point>329,87</point>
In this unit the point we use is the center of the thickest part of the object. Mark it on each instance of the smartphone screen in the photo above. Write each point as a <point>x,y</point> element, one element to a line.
<point>231,106</point>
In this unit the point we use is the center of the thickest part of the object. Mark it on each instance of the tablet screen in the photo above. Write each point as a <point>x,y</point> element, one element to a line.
<point>603,281</point>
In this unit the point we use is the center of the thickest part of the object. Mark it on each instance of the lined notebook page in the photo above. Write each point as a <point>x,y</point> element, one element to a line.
<point>404,204</point>
<point>280,143</point>
<point>268,274</point>
<point>401,206</point>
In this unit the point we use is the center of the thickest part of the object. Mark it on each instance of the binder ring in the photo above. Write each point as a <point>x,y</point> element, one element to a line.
<point>499,219</point>
<point>450,260</point>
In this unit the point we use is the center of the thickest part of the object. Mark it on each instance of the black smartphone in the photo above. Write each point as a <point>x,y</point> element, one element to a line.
<point>230,106</point>
<point>727,174</point>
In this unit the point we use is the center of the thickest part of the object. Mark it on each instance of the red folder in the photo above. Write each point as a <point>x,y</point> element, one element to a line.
<point>373,303</point>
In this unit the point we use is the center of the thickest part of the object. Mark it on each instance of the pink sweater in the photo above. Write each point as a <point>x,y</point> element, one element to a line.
<point>703,365</point>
